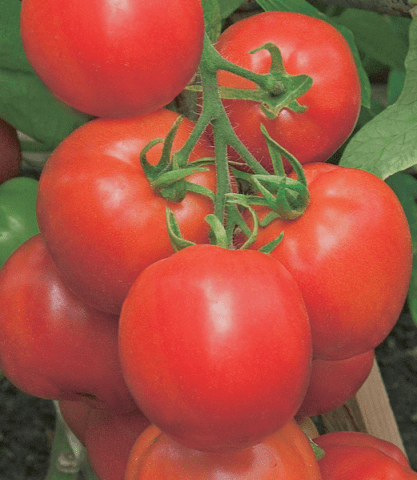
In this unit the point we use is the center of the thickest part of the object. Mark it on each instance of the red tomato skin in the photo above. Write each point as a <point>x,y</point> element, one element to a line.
<point>51,345</point>
<point>100,219</point>
<point>286,454</point>
<point>215,346</point>
<point>350,254</point>
<point>112,59</point>
<point>361,456</point>
<point>75,414</point>
<point>10,152</point>
<point>109,438</point>
<point>308,46</point>
<point>334,382</point>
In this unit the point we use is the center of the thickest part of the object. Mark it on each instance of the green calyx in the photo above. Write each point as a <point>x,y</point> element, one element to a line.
<point>168,177</point>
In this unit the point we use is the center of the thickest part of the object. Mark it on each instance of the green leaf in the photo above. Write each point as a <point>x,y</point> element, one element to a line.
<point>405,187</point>
<point>388,143</point>
<point>227,7</point>
<point>396,79</point>
<point>302,6</point>
<point>375,36</point>
<point>25,102</point>
<point>212,18</point>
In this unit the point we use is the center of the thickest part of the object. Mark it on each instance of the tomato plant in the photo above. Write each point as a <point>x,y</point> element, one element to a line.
<point>286,454</point>
<point>334,382</point>
<point>350,254</point>
<point>17,214</point>
<point>361,456</point>
<point>112,59</point>
<point>39,316</point>
<point>102,221</point>
<point>215,346</point>
<point>308,46</point>
<point>10,152</point>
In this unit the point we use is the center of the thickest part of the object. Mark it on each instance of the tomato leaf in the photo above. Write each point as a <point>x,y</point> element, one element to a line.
<point>212,18</point>
<point>302,6</point>
<point>227,7</point>
<point>405,187</point>
<point>24,101</point>
<point>376,37</point>
<point>388,143</point>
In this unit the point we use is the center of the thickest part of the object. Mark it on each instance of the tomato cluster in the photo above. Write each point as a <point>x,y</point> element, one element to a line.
<point>171,353</point>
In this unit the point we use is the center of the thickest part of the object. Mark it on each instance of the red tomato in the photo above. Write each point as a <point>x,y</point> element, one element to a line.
<point>75,414</point>
<point>286,454</point>
<point>101,220</point>
<point>109,439</point>
<point>52,345</point>
<point>350,254</point>
<point>334,382</point>
<point>113,59</point>
<point>10,152</point>
<point>308,46</point>
<point>359,456</point>
<point>215,346</point>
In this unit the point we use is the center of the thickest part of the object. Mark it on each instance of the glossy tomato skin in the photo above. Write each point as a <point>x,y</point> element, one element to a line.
<point>350,254</point>
<point>52,345</point>
<point>334,382</point>
<point>308,46</point>
<point>361,456</point>
<point>112,59</point>
<point>286,454</point>
<point>215,346</point>
<point>101,220</point>
<point>10,152</point>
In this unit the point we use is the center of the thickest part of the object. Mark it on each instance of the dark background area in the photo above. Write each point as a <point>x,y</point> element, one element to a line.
<point>27,423</point>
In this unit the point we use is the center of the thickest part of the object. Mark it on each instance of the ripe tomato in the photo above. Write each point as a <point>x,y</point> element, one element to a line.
<point>215,346</point>
<point>286,454</point>
<point>10,152</point>
<point>361,456</point>
<point>109,439</point>
<point>75,414</point>
<point>52,345</point>
<point>334,382</point>
<point>350,254</point>
<point>308,46</point>
<point>113,59</point>
<point>101,220</point>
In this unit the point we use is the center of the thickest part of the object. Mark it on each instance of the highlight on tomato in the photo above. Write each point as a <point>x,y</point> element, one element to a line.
<point>215,346</point>
<point>113,59</point>
<point>103,220</point>
<point>310,46</point>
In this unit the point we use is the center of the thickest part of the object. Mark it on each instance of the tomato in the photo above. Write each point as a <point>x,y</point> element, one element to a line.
<point>215,346</point>
<point>10,152</point>
<point>286,454</point>
<point>109,439</point>
<point>52,345</point>
<point>113,59</point>
<point>75,414</point>
<point>308,46</point>
<point>350,254</point>
<point>334,382</point>
<point>101,220</point>
<point>363,457</point>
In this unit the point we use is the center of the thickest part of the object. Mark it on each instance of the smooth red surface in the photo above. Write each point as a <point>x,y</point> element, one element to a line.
<point>101,220</point>
<point>113,58</point>
<point>350,254</point>
<point>215,346</point>
<point>308,46</point>
<point>284,455</point>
